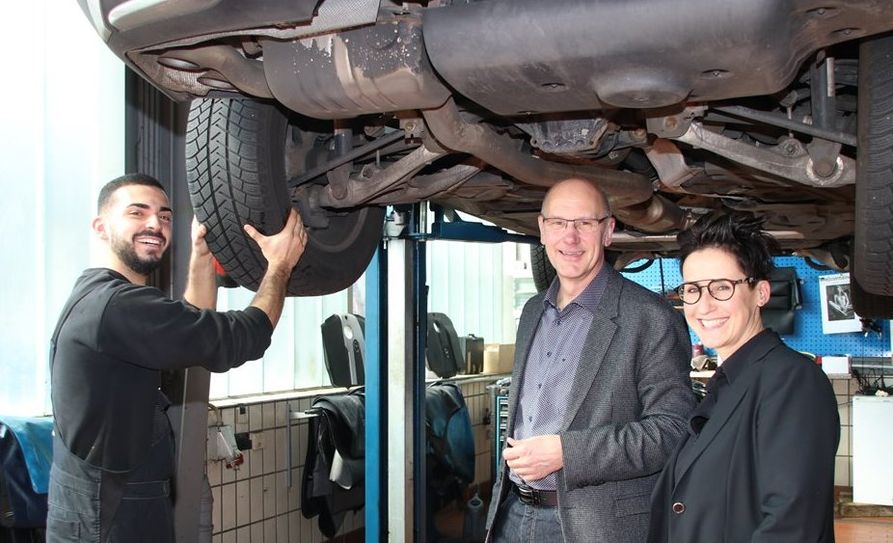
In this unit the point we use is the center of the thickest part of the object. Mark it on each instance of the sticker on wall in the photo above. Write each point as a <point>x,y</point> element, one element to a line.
<point>838,315</point>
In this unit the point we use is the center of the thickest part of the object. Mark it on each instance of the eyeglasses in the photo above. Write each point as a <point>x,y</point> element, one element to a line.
<point>720,289</point>
<point>583,226</point>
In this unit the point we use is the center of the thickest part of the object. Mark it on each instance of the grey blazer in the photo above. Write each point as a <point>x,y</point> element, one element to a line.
<point>628,407</point>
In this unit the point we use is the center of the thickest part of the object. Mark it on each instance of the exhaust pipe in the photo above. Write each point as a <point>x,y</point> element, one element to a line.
<point>630,194</point>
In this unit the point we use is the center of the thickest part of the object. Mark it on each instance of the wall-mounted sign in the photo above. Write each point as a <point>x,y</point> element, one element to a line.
<point>838,315</point>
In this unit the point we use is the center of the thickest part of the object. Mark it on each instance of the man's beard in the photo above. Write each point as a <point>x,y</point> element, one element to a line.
<point>126,252</point>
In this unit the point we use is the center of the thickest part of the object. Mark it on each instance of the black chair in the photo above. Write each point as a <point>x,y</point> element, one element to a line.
<point>778,313</point>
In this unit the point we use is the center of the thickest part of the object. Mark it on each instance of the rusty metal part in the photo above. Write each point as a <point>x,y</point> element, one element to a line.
<point>372,69</point>
<point>624,189</point>
<point>423,187</point>
<point>788,159</point>
<point>245,74</point>
<point>669,163</point>
<point>362,191</point>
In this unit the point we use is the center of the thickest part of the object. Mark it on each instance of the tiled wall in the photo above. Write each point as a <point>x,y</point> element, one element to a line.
<point>254,504</point>
<point>843,463</point>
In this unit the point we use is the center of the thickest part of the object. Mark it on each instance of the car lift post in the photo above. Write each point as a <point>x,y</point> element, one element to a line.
<point>396,289</point>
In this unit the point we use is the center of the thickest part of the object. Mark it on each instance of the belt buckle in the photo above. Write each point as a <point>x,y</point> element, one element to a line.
<point>528,495</point>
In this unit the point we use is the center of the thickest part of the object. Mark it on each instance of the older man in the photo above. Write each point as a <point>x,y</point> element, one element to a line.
<point>600,390</point>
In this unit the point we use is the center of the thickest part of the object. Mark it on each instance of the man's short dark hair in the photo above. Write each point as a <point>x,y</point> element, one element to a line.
<point>737,233</point>
<point>125,180</point>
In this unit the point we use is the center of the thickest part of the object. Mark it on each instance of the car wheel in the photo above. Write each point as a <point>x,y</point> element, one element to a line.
<point>874,168</point>
<point>236,170</point>
<point>867,305</point>
<point>543,272</point>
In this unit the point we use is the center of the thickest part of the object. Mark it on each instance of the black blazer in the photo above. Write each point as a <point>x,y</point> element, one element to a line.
<point>763,466</point>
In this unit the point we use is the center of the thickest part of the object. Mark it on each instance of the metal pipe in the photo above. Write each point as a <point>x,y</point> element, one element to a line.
<point>422,187</point>
<point>783,122</point>
<point>624,189</point>
<point>361,191</point>
<point>350,156</point>
<point>448,127</point>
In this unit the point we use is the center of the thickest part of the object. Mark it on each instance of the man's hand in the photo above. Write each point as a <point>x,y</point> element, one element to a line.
<point>201,283</point>
<point>535,457</point>
<point>282,250</point>
<point>199,244</point>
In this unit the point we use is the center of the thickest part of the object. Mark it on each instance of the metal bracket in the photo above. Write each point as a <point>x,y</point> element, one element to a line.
<point>788,159</point>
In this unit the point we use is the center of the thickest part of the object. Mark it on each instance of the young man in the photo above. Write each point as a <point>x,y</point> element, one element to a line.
<point>113,447</point>
<point>600,390</point>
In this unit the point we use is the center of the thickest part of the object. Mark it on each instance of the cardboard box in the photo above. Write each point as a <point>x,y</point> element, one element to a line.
<point>499,357</point>
<point>835,366</point>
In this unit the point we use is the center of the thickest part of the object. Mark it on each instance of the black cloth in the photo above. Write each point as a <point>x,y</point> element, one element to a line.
<point>110,345</point>
<point>761,468</point>
<point>334,469</point>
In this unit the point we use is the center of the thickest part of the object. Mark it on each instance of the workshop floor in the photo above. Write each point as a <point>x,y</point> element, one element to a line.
<point>846,529</point>
<point>863,530</point>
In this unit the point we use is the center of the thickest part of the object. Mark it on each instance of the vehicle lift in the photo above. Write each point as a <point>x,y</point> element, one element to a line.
<point>396,329</point>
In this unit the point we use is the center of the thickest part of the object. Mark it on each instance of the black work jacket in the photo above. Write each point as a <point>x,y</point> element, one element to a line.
<point>109,353</point>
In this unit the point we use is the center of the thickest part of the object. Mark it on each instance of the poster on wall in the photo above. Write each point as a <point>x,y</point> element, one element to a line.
<point>838,315</point>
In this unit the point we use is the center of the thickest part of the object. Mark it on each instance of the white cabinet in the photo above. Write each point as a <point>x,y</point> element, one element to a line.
<point>872,448</point>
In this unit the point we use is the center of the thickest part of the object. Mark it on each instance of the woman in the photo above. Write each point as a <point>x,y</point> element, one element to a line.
<point>757,463</point>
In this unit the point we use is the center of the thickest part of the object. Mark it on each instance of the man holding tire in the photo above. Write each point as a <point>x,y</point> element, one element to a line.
<point>113,446</point>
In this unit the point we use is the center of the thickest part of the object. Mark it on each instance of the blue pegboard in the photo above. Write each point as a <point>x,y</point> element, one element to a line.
<point>664,275</point>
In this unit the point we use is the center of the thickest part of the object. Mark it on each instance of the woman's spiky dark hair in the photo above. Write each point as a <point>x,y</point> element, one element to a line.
<point>740,234</point>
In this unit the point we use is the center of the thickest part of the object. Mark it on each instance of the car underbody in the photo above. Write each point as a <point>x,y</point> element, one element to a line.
<point>674,107</point>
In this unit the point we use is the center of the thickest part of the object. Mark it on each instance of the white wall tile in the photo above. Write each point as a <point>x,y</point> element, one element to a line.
<point>269,451</point>
<point>841,386</point>
<point>269,415</point>
<point>280,448</point>
<point>269,496</point>
<point>281,413</point>
<point>241,413</point>
<point>843,448</point>
<point>294,493</point>
<point>243,503</point>
<point>257,532</point>
<point>281,493</point>
<point>257,499</point>
<point>214,472</point>
<point>843,409</point>
<point>282,530</point>
<point>244,471</point>
<point>227,475</point>
<point>228,507</point>
<point>257,463</point>
<point>255,417</point>
<point>217,495</point>
<point>842,471</point>
<point>294,526</point>
<point>303,432</point>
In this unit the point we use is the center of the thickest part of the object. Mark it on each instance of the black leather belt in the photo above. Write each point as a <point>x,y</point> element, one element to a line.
<point>532,496</point>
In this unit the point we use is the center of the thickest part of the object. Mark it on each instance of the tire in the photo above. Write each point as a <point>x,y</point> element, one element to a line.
<point>543,272</point>
<point>873,245</point>
<point>870,306</point>
<point>235,167</point>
